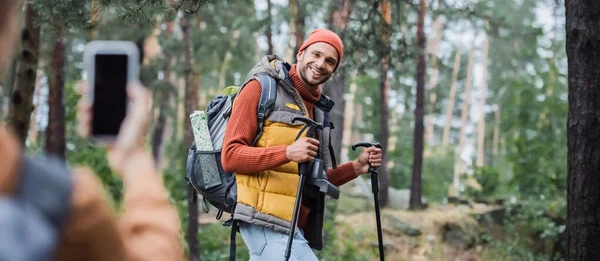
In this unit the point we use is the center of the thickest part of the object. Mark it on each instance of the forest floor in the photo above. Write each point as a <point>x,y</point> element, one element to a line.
<point>438,233</point>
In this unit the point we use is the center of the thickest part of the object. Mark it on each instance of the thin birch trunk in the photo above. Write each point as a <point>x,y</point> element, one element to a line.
<point>450,108</point>
<point>483,89</point>
<point>227,59</point>
<point>434,46</point>
<point>464,117</point>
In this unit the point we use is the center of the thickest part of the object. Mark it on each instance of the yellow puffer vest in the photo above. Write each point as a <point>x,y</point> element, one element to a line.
<point>267,198</point>
<point>269,195</point>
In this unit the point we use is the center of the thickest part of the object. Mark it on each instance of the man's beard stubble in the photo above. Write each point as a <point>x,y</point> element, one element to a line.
<point>303,69</point>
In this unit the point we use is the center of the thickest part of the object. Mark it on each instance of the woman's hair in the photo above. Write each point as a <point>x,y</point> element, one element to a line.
<point>7,9</point>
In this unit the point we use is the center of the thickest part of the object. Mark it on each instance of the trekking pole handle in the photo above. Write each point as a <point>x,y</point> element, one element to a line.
<point>310,126</point>
<point>308,121</point>
<point>367,144</point>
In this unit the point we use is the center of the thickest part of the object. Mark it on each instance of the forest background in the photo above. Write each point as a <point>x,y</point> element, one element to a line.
<point>468,99</point>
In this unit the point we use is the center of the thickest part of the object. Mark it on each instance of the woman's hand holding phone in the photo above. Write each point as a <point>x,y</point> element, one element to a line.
<point>128,147</point>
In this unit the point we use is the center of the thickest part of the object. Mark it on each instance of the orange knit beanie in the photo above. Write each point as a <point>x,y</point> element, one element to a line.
<point>326,36</point>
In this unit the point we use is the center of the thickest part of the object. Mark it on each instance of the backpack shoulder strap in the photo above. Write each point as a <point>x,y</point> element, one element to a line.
<point>268,95</point>
<point>332,155</point>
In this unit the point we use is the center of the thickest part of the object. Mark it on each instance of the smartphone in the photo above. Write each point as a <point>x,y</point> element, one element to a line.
<point>109,66</point>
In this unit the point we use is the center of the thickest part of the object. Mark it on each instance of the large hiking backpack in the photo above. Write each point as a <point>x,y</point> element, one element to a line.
<point>204,171</point>
<point>32,219</point>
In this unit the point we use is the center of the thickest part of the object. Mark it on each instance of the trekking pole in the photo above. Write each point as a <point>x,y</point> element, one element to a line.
<point>302,171</point>
<point>375,188</point>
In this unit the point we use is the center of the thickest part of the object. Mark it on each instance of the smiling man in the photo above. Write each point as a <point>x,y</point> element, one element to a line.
<point>266,161</point>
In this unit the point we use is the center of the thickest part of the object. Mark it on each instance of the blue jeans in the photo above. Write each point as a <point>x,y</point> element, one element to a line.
<point>267,244</point>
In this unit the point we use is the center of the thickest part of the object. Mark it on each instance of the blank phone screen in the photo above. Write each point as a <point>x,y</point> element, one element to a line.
<point>110,96</point>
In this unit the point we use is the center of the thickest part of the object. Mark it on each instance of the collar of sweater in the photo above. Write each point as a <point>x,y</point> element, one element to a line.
<point>311,96</point>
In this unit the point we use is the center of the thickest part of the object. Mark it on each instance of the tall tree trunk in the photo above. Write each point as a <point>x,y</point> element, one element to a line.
<point>464,114</point>
<point>212,93</point>
<point>180,108</point>
<point>298,17</point>
<point>197,65</point>
<point>433,48</point>
<point>415,190</point>
<point>483,89</point>
<point>335,89</point>
<point>358,118</point>
<point>21,104</point>
<point>190,104</point>
<point>157,134</point>
<point>151,46</point>
<point>289,49</point>
<point>384,86</point>
<point>350,112</point>
<point>160,129</point>
<point>203,98</point>
<point>583,145</point>
<point>10,74</point>
<point>258,54</point>
<point>496,136</point>
<point>293,25</point>
<point>394,128</point>
<point>450,108</point>
<point>94,19</point>
<point>9,81</point>
<point>55,132</point>
<point>269,31</point>
<point>227,59</point>
<point>197,88</point>
<point>33,127</point>
<point>300,20</point>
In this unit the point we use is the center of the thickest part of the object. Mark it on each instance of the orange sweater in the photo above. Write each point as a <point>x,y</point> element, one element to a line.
<point>241,130</point>
<point>147,230</point>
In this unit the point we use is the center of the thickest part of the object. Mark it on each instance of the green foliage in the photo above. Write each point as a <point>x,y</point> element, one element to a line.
<point>439,162</point>
<point>363,37</point>
<point>133,32</point>
<point>438,173</point>
<point>232,30</point>
<point>213,238</point>
<point>81,152</point>
<point>488,178</point>
<point>367,95</point>
<point>146,10</point>
<point>73,13</point>
<point>214,243</point>
<point>508,251</point>
<point>530,229</point>
<point>531,91</point>
<point>95,159</point>
<point>527,83</point>
<point>330,236</point>
<point>174,180</point>
<point>348,249</point>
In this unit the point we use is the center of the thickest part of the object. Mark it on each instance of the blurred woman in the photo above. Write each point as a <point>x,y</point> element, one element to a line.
<point>87,228</point>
